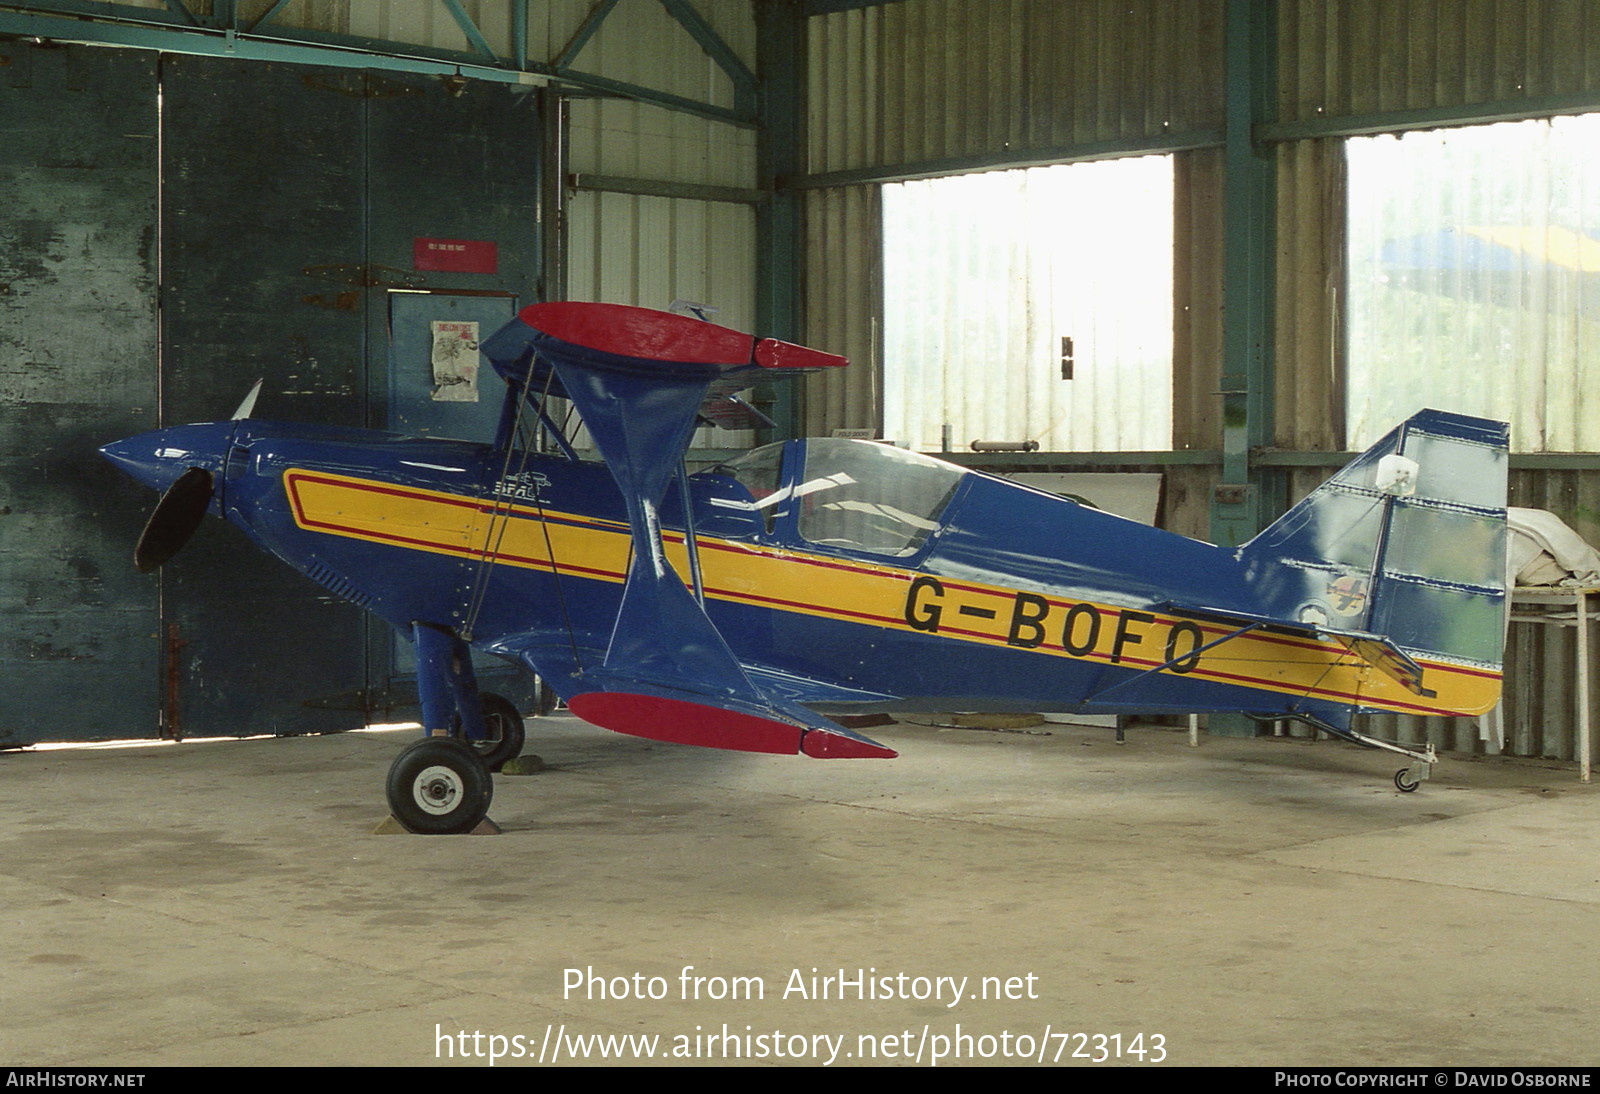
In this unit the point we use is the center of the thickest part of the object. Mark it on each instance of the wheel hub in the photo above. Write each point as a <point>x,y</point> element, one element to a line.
<point>437,790</point>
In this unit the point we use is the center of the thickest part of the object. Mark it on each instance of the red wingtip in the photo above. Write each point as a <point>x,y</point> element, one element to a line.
<point>771,353</point>
<point>819,744</point>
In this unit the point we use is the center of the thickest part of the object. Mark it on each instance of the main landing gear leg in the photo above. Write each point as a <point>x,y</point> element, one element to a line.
<point>441,784</point>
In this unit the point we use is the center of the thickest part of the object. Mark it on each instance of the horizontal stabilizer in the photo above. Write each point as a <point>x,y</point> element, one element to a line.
<point>1379,651</point>
<point>1374,649</point>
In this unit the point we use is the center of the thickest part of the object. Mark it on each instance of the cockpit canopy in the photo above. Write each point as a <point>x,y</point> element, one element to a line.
<point>845,494</point>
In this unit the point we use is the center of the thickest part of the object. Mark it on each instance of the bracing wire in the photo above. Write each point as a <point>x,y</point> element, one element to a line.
<point>500,514</point>
<point>501,507</point>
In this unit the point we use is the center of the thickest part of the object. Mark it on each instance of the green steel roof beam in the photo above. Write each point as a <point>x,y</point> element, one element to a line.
<point>658,188</point>
<point>519,33</point>
<point>735,116</point>
<point>120,13</point>
<point>1012,158</point>
<point>181,10</point>
<point>159,30</point>
<point>290,47</point>
<point>828,7</point>
<point>475,36</point>
<point>591,23</point>
<point>689,17</point>
<point>1433,117</point>
<point>268,16</point>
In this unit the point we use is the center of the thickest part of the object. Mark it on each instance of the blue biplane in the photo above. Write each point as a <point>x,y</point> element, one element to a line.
<point>741,606</point>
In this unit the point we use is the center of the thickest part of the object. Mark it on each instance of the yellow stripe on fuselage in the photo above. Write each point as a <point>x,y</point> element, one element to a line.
<point>861,592</point>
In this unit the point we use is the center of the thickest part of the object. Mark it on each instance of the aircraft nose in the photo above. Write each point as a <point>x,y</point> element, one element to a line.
<point>159,457</point>
<point>185,463</point>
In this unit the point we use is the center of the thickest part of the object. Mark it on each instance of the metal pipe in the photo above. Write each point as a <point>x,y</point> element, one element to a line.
<point>1005,446</point>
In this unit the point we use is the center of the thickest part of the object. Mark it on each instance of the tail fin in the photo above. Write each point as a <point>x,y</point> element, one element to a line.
<point>1407,542</point>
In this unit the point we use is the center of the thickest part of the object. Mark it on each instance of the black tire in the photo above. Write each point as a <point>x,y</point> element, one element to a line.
<point>1402,783</point>
<point>439,786</point>
<point>544,698</point>
<point>507,733</point>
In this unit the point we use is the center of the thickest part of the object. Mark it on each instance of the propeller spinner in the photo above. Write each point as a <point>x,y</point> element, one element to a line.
<point>183,462</point>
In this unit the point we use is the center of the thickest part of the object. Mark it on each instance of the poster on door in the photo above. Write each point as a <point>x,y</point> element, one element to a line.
<point>455,362</point>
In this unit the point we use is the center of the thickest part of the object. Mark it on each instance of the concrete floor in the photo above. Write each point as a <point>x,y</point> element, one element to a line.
<point>1246,902</point>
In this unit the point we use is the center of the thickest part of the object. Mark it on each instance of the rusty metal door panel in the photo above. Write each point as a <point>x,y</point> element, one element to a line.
<point>77,369</point>
<point>289,201</point>
<point>462,169</point>
<point>263,240</point>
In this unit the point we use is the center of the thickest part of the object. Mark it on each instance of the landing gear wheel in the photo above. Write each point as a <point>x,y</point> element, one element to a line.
<point>439,786</point>
<point>507,734</point>
<point>1403,781</point>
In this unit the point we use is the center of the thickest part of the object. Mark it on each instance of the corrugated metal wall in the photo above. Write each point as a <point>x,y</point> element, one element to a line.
<point>921,83</point>
<point>929,80</point>
<point>629,248</point>
<point>1344,58</point>
<point>1309,278</point>
<point>923,86</point>
<point>1197,302</point>
<point>844,306</point>
<point>650,251</point>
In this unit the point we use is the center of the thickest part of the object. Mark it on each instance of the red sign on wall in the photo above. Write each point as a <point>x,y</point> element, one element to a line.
<point>479,256</point>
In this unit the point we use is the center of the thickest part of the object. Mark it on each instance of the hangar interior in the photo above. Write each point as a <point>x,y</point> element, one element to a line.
<point>199,193</point>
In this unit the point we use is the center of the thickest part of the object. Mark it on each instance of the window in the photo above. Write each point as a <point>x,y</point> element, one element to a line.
<point>1031,305</point>
<point>758,471</point>
<point>1474,279</point>
<point>871,497</point>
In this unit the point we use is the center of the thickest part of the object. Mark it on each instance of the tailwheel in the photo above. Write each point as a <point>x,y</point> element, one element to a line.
<point>1404,782</point>
<point>506,732</point>
<point>439,786</point>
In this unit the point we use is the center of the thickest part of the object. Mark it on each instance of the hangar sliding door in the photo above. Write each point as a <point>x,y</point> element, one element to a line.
<point>296,201</point>
<point>279,207</point>
<point>77,353</point>
<point>261,205</point>
<point>453,183</point>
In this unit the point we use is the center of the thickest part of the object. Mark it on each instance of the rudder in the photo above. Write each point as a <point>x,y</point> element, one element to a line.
<point>1407,541</point>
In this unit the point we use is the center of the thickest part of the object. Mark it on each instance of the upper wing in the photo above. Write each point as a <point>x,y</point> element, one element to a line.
<point>638,378</point>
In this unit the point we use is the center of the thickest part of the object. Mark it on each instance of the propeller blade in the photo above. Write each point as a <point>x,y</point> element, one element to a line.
<point>176,517</point>
<point>249,403</point>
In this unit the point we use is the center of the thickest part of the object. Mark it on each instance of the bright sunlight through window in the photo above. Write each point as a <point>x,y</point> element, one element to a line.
<point>1475,279</point>
<point>1031,305</point>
